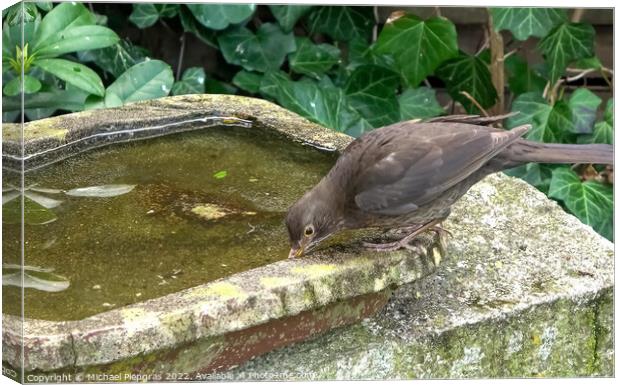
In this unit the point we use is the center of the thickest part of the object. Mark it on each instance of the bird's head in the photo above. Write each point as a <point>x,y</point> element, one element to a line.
<point>309,221</point>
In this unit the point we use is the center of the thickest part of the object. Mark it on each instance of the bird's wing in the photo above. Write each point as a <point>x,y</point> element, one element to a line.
<point>415,163</point>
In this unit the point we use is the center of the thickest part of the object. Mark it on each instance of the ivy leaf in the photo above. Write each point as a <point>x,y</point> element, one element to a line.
<point>590,201</point>
<point>147,80</point>
<point>248,81</point>
<point>313,59</point>
<point>522,79</point>
<point>603,130</point>
<point>583,104</point>
<point>192,82</point>
<point>220,16</point>
<point>418,46</point>
<point>190,24</point>
<point>73,73</point>
<point>589,63</point>
<point>564,44</point>
<point>287,15</point>
<point>167,10</point>
<point>144,15</point>
<point>342,23</point>
<point>261,52</point>
<point>536,174</point>
<point>551,124</point>
<point>471,74</point>
<point>115,59</point>
<point>419,103</point>
<point>361,53</point>
<point>526,22</point>
<point>323,104</point>
<point>370,90</point>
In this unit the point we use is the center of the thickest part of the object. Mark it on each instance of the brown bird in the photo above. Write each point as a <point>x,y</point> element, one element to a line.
<point>408,175</point>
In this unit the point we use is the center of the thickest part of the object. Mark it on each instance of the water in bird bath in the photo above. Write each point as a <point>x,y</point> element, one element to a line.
<point>185,209</point>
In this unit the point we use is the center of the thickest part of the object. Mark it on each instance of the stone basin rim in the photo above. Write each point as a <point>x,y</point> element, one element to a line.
<point>231,303</point>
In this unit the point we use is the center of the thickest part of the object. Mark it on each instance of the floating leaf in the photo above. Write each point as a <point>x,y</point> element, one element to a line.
<point>419,46</point>
<point>370,90</point>
<point>525,22</point>
<point>590,201</point>
<point>287,15</point>
<point>313,59</point>
<point>342,23</point>
<point>261,52</point>
<point>44,201</point>
<point>192,82</point>
<point>9,195</point>
<point>470,74</point>
<point>419,103</point>
<point>583,104</point>
<point>248,81</point>
<point>220,16</point>
<point>44,281</point>
<point>147,80</point>
<point>522,79</point>
<point>564,44</point>
<point>220,174</point>
<point>104,191</point>
<point>549,124</point>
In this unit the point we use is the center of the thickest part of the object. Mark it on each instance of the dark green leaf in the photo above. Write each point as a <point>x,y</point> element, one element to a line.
<point>525,22</point>
<point>371,91</point>
<point>418,46</point>
<point>564,44</point>
<point>287,15</point>
<point>342,23</point>
<point>34,213</point>
<point>167,10</point>
<point>603,130</point>
<point>419,103</point>
<point>323,104</point>
<point>190,24</point>
<point>147,80</point>
<point>583,104</point>
<point>115,59</point>
<point>94,102</point>
<point>522,79</point>
<point>192,82</point>
<point>261,52</point>
<point>549,124</point>
<point>213,86</point>
<point>64,16</point>
<point>31,85</point>
<point>144,15</point>
<point>79,38</point>
<point>39,113</point>
<point>248,81</point>
<point>538,175</point>
<point>313,59</point>
<point>470,74</point>
<point>220,16</point>
<point>56,99</point>
<point>361,53</point>
<point>73,73</point>
<point>609,112</point>
<point>590,201</point>
<point>587,63</point>
<point>45,5</point>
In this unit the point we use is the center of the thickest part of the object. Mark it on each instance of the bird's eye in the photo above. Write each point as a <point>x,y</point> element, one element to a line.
<point>308,231</point>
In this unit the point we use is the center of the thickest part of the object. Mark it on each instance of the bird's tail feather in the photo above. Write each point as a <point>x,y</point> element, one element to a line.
<point>525,151</point>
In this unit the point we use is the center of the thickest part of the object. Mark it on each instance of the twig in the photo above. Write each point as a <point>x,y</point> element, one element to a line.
<point>181,54</point>
<point>427,83</point>
<point>509,54</point>
<point>577,15</point>
<point>580,75</point>
<point>437,11</point>
<point>471,99</point>
<point>496,43</point>
<point>252,228</point>
<point>375,27</point>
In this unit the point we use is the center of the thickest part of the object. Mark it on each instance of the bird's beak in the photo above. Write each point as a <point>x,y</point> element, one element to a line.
<point>298,250</point>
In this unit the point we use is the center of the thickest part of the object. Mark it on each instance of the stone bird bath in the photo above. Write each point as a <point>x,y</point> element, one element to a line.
<point>216,324</point>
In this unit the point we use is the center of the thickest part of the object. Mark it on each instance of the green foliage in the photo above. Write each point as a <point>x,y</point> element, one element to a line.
<point>322,63</point>
<point>526,22</point>
<point>418,46</point>
<point>590,201</point>
<point>564,44</point>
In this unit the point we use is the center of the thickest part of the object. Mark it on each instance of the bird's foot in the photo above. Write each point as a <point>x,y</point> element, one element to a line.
<point>406,242</point>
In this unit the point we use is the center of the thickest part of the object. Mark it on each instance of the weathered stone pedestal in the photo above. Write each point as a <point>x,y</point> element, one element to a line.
<point>527,291</point>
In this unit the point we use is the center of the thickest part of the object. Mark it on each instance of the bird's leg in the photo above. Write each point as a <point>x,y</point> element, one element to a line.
<point>404,242</point>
